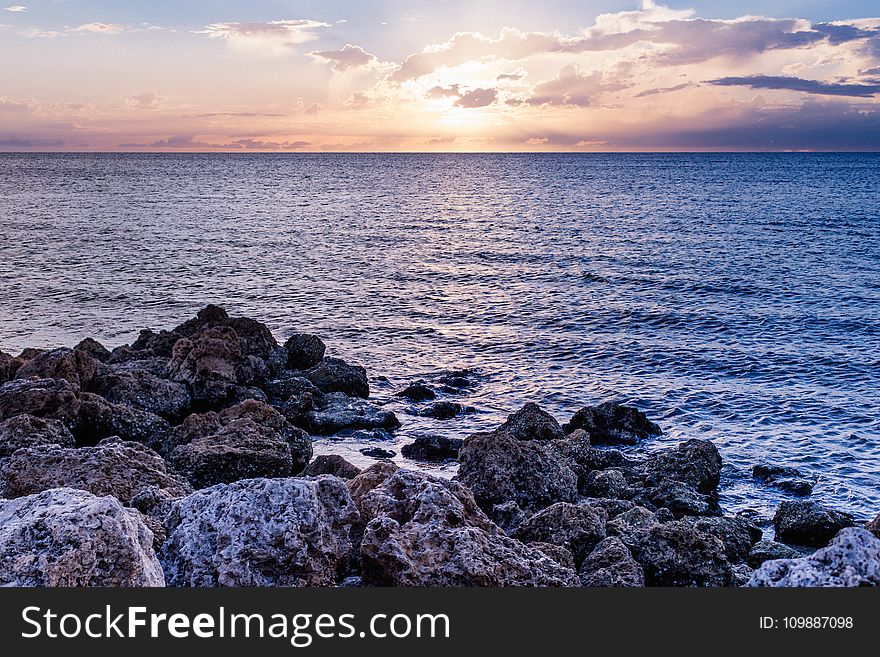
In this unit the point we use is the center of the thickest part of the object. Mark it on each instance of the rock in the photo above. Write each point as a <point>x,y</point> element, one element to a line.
<point>66,537</point>
<point>99,419</point>
<point>331,464</point>
<point>457,381</point>
<point>335,375</point>
<point>611,423</point>
<point>74,366</point>
<point>679,554</point>
<point>804,522</point>
<point>631,526</point>
<point>8,366</point>
<point>612,507</point>
<point>260,532</point>
<point>24,431</point>
<point>426,531</point>
<point>55,399</point>
<point>769,551</point>
<point>575,527</point>
<point>304,351</point>
<point>582,458</point>
<point>148,345</point>
<point>293,388</point>
<point>378,453</point>
<point>611,564</point>
<point>154,504</point>
<point>682,500</point>
<point>738,535</point>
<point>432,448</point>
<point>508,516</point>
<point>852,559</point>
<point>339,412</point>
<point>740,574</point>
<point>605,483</point>
<point>532,423</point>
<point>695,462</point>
<point>244,441</point>
<point>497,467</point>
<point>417,391</point>
<point>370,479</point>
<point>790,480</point>
<point>874,526</point>
<point>112,467</point>
<point>255,339</point>
<point>142,390</point>
<point>559,554</point>
<point>93,348</point>
<point>441,410</point>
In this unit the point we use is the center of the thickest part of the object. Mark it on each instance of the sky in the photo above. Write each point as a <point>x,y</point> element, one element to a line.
<point>453,75</point>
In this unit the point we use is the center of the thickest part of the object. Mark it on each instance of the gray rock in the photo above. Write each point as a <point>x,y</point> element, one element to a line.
<point>22,431</point>
<point>508,516</point>
<point>441,410</point>
<point>140,389</point>
<point>611,564</point>
<point>679,554</point>
<point>304,351</point>
<point>737,534</point>
<point>532,423</point>
<point>66,537</point>
<point>611,423</point>
<point>582,458</point>
<point>804,522</point>
<point>852,559</point>
<point>682,500</point>
<point>260,532</point>
<point>331,464</point>
<point>335,375</point>
<point>575,527</point>
<point>696,463</point>
<point>339,412</point>
<point>605,483</point>
<point>769,551</point>
<point>788,479</point>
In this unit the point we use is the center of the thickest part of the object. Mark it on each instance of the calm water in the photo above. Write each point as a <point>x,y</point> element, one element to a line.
<point>732,297</point>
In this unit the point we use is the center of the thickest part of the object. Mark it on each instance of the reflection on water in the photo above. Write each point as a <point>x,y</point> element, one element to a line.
<point>733,297</point>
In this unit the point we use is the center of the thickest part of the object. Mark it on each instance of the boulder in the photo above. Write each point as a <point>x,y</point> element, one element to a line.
<point>331,464</point>
<point>441,410</point>
<point>93,348</point>
<point>532,423</point>
<point>696,463</point>
<point>142,390</point>
<point>611,507</point>
<point>808,523</point>
<point>788,479</point>
<point>575,527</point>
<point>852,559</point>
<point>378,453</point>
<point>605,483</point>
<point>682,500</point>
<point>98,419</point>
<point>497,467</point>
<point>418,391</point>
<point>769,551</point>
<point>68,364</point>
<point>874,526</point>
<point>582,458</point>
<point>737,534</point>
<point>559,554</point>
<point>610,423</point>
<point>66,537</point>
<point>426,531</point>
<point>508,516</point>
<point>304,351</point>
<point>611,564</point>
<point>22,431</point>
<point>432,448</point>
<point>335,375</point>
<point>632,525</point>
<point>8,366</point>
<point>112,467</point>
<point>339,412</point>
<point>260,532</point>
<point>55,399</point>
<point>255,339</point>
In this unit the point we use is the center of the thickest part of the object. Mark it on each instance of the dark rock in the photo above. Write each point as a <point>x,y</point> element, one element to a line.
<point>605,483</point>
<point>148,345</point>
<point>679,554</point>
<point>99,419</point>
<point>497,467</point>
<point>339,412</point>
<point>769,551</point>
<point>8,367</point>
<point>457,381</point>
<point>682,500</point>
<point>331,464</point>
<point>66,537</point>
<point>335,375</point>
<point>432,448</point>
<point>633,525</point>
<point>255,339</point>
<point>736,534</point>
<point>304,351</point>
<point>695,462</point>
<point>532,423</point>
<point>442,410</point>
<point>852,559</point>
<point>112,467</point>
<point>94,349</point>
<point>144,391</point>
<point>24,431</point>
<point>508,516</point>
<point>611,564</point>
<point>367,435</point>
<point>559,554</point>
<point>293,390</point>
<point>612,507</point>
<point>425,531</point>
<point>582,458</point>
<point>804,522</point>
<point>154,503</point>
<point>74,366</point>
<point>575,527</point>
<point>378,453</point>
<point>611,423</point>
<point>874,526</point>
<point>790,480</point>
<point>417,391</point>
<point>261,532</point>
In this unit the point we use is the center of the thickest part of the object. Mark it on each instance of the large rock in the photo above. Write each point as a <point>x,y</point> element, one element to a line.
<point>611,423</point>
<point>737,534</point>
<point>532,423</point>
<point>55,399</point>
<point>498,467</point>
<point>682,500</point>
<point>769,551</point>
<point>573,526</point>
<point>112,467</point>
<point>441,410</point>
<point>8,366</point>
<point>335,375</point>
<point>583,459</point>
<point>261,532</point>
<point>611,564</point>
<point>66,537</point>
<point>874,526</point>
<point>339,412</point>
<point>785,478</point>
<point>140,389</point>
<point>432,448</point>
<point>804,522</point>
<point>331,464</point>
<point>609,484</point>
<point>418,391</point>
<point>93,348</point>
<point>23,431</point>
<point>304,351</point>
<point>98,419</point>
<point>426,531</point>
<point>248,440</point>
<point>68,364</point>
<point>852,559</point>
<point>255,339</point>
<point>696,463</point>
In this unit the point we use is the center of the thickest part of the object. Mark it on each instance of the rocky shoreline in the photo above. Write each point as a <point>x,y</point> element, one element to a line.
<point>185,459</point>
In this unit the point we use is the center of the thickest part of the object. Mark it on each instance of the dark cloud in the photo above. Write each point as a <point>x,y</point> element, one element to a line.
<point>28,144</point>
<point>511,76</point>
<point>799,84</point>
<point>477,98</point>
<point>664,90</point>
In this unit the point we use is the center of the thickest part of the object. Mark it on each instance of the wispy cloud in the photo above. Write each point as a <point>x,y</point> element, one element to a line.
<point>800,84</point>
<point>348,57</point>
<point>268,38</point>
<point>16,9</point>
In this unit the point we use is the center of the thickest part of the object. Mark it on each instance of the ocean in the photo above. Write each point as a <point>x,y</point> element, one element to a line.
<point>732,297</point>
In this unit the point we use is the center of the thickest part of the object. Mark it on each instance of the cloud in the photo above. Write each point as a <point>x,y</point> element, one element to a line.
<point>349,57</point>
<point>519,75</point>
<point>799,84</point>
<point>358,100</point>
<point>260,145</point>
<point>477,98</point>
<point>146,100</point>
<point>269,38</point>
<point>444,92</point>
<point>175,141</point>
<point>100,28</point>
<point>570,87</point>
<point>17,9</point>
<point>664,90</point>
<point>22,143</point>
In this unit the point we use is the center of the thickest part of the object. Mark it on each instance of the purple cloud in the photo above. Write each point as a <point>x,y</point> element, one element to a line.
<point>799,84</point>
